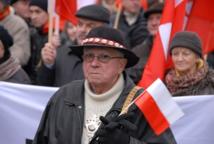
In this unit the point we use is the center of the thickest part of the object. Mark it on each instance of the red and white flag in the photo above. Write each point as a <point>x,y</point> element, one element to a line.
<point>158,107</point>
<point>178,15</point>
<point>172,21</point>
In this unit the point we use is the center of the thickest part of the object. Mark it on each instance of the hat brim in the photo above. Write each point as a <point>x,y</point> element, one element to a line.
<point>132,59</point>
<point>153,11</point>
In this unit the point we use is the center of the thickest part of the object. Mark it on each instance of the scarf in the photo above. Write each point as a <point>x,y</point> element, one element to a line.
<point>8,69</point>
<point>176,83</point>
<point>5,13</point>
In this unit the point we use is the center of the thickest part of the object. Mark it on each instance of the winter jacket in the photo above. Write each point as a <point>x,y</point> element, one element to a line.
<point>63,118</point>
<point>20,77</point>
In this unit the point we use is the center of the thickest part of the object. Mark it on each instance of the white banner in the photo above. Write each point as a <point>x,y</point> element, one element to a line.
<point>21,108</point>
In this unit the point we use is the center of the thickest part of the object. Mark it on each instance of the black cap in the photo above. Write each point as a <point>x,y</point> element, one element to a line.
<point>13,1</point>
<point>94,12</point>
<point>43,4</point>
<point>106,37</point>
<point>156,8</point>
<point>187,39</point>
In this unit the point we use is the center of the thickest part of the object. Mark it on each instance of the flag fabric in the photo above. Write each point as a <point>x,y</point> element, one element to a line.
<point>172,21</point>
<point>66,9</point>
<point>21,108</point>
<point>200,18</point>
<point>158,107</point>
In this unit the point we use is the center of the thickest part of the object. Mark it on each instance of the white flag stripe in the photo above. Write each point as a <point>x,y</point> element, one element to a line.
<point>165,31</point>
<point>163,99</point>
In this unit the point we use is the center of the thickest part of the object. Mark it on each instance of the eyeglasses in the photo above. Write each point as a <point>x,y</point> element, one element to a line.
<point>102,58</point>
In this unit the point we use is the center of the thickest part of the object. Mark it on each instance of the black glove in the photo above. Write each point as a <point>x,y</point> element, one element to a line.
<point>115,131</point>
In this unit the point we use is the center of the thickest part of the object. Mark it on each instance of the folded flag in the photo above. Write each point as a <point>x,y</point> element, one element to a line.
<point>158,107</point>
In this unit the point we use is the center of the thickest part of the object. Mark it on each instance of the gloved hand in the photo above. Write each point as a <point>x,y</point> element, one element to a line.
<point>115,131</point>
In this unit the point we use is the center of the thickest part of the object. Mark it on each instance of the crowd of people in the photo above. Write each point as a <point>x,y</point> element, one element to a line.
<point>98,62</point>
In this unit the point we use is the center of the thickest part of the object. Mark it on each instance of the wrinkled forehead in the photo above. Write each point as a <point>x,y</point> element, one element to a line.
<point>106,50</point>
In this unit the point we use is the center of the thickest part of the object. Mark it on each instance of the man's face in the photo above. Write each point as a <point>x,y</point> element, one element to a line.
<point>153,23</point>
<point>102,73</point>
<point>84,26</point>
<point>132,6</point>
<point>38,16</point>
<point>22,8</point>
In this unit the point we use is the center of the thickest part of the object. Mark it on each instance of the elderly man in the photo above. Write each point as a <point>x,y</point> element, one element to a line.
<point>60,65</point>
<point>72,114</point>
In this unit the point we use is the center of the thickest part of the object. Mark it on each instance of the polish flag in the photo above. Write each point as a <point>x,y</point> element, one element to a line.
<point>158,107</point>
<point>172,20</point>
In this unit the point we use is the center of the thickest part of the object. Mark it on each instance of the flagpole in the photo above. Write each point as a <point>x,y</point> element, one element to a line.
<point>51,9</point>
<point>116,22</point>
<point>125,110</point>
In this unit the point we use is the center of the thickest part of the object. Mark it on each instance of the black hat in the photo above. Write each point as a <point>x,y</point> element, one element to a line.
<point>7,42</point>
<point>106,37</point>
<point>187,39</point>
<point>13,1</point>
<point>94,12</point>
<point>156,8</point>
<point>43,4</point>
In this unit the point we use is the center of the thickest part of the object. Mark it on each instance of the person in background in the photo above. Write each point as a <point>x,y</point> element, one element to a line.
<point>190,74</point>
<point>22,9</point>
<point>143,50</point>
<point>132,22</point>
<point>10,69</point>
<point>72,114</point>
<point>59,64</point>
<point>39,34</point>
<point>19,30</point>
<point>109,4</point>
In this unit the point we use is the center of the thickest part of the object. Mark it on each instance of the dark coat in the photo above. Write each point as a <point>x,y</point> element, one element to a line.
<point>143,51</point>
<point>210,59</point>
<point>135,33</point>
<point>20,77</point>
<point>62,121</point>
<point>38,40</point>
<point>67,67</point>
<point>203,87</point>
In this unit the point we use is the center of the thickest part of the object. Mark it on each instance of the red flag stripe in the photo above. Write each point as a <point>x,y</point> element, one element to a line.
<point>152,113</point>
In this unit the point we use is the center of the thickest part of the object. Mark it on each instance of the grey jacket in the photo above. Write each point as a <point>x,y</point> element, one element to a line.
<point>62,121</point>
<point>20,77</point>
<point>68,67</point>
<point>19,30</point>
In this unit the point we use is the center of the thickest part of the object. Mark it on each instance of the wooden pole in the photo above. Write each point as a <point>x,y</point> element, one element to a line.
<point>117,19</point>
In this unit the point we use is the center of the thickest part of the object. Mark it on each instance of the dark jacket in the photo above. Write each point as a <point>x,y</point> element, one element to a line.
<point>67,67</point>
<point>203,87</point>
<point>210,59</point>
<point>62,121</point>
<point>143,51</point>
<point>135,33</point>
<point>38,40</point>
<point>20,77</point>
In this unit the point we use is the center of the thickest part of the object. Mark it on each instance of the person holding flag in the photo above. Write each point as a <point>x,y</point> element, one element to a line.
<point>143,50</point>
<point>191,74</point>
<point>72,114</point>
<point>59,64</point>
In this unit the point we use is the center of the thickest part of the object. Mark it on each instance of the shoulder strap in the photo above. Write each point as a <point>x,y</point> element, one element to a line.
<point>130,98</point>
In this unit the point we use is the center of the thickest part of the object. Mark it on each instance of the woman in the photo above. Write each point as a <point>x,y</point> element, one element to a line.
<point>191,74</point>
<point>10,70</point>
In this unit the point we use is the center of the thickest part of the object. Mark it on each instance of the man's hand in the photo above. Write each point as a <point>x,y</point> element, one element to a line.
<point>48,52</point>
<point>113,132</point>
